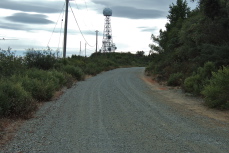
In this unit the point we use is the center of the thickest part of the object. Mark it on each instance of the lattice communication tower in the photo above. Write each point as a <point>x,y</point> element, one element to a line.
<point>108,45</point>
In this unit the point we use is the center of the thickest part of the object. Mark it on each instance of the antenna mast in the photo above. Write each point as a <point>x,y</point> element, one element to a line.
<point>108,45</point>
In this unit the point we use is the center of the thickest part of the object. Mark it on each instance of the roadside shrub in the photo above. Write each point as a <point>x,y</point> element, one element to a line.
<point>192,84</point>
<point>41,84</point>
<point>106,64</point>
<point>175,79</point>
<point>40,59</point>
<point>40,90</point>
<point>74,71</point>
<point>206,71</point>
<point>92,69</point>
<point>41,75</point>
<point>77,61</point>
<point>217,91</point>
<point>9,63</point>
<point>69,80</point>
<point>62,81</point>
<point>196,82</point>
<point>150,68</point>
<point>14,100</point>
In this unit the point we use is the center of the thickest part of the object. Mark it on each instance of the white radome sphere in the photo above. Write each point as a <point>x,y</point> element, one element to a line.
<point>107,12</point>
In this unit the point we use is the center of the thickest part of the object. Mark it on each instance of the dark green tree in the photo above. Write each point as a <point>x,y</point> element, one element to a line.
<point>168,39</point>
<point>210,8</point>
<point>178,11</point>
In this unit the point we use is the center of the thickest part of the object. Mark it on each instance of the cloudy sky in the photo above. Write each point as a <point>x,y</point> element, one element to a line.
<point>39,23</point>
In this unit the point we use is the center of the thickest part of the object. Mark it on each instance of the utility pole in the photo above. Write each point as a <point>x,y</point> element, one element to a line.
<point>85,49</point>
<point>80,47</point>
<point>96,40</point>
<point>65,29</point>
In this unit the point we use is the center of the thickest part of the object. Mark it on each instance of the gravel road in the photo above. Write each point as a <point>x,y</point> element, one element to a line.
<point>117,112</point>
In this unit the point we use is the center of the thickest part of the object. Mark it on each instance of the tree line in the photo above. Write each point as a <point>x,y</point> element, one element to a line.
<point>193,50</point>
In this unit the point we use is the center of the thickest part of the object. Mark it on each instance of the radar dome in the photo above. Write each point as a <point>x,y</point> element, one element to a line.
<point>107,12</point>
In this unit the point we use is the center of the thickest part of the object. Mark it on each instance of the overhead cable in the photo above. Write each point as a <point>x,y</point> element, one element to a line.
<point>89,28</point>
<point>79,27</point>
<point>60,32</point>
<point>87,11</point>
<point>56,24</point>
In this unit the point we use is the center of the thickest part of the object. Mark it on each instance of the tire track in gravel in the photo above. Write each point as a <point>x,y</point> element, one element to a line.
<point>117,112</point>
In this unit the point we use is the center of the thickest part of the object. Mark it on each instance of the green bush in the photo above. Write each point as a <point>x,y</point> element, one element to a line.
<point>39,83</point>
<point>10,64</point>
<point>43,84</point>
<point>106,64</point>
<point>45,76</point>
<point>196,82</point>
<point>192,84</point>
<point>206,71</point>
<point>92,69</point>
<point>39,74</point>
<point>175,79</point>
<point>40,59</point>
<point>217,91</point>
<point>62,81</point>
<point>69,80</point>
<point>74,71</point>
<point>14,100</point>
<point>40,90</point>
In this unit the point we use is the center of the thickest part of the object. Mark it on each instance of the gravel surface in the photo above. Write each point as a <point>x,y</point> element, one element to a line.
<point>117,112</point>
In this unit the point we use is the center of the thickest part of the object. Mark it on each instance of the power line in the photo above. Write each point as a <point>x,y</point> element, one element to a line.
<point>76,5</point>
<point>89,28</point>
<point>87,11</point>
<point>85,4</point>
<point>79,27</point>
<point>56,24</point>
<point>60,33</point>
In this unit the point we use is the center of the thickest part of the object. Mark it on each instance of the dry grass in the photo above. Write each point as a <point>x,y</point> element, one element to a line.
<point>8,128</point>
<point>179,99</point>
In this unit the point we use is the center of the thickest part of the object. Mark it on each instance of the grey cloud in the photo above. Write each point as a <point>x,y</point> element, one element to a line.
<point>74,31</point>
<point>38,6</point>
<point>148,29</point>
<point>88,32</point>
<point>139,9</point>
<point>29,18</point>
<point>135,13</point>
<point>32,6</point>
<point>14,26</point>
<point>143,4</point>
